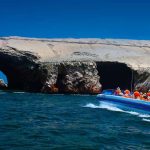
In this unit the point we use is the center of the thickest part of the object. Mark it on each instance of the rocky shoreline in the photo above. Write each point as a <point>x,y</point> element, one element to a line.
<point>76,66</point>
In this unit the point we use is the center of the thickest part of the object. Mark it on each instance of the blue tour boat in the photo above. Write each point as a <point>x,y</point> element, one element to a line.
<point>107,96</point>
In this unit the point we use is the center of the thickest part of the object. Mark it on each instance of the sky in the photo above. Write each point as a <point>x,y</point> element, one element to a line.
<point>125,19</point>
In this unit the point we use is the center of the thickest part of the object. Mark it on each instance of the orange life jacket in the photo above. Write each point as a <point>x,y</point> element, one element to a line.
<point>136,94</point>
<point>127,92</point>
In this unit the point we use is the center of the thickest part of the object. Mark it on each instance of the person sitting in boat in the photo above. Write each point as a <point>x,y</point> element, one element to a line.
<point>118,92</point>
<point>136,95</point>
<point>127,93</point>
<point>148,95</point>
<point>144,97</point>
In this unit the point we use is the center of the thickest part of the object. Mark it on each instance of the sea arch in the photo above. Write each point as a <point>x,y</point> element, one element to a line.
<point>21,69</point>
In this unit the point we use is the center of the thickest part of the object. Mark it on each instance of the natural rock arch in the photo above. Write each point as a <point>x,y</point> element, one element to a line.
<point>21,69</point>
<point>13,76</point>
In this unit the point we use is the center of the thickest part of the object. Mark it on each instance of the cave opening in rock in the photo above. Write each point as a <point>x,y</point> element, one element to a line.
<point>3,80</point>
<point>114,74</point>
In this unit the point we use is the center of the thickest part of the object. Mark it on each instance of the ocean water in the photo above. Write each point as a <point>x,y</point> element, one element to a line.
<point>69,122</point>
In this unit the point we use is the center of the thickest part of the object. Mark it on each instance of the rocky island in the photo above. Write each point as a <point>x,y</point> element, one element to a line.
<point>84,66</point>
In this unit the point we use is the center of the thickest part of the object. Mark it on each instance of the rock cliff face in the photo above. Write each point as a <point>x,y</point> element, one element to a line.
<point>71,77</point>
<point>142,80</point>
<point>78,77</point>
<point>74,65</point>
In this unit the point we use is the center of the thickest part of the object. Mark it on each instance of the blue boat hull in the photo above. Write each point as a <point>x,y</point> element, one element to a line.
<point>122,101</point>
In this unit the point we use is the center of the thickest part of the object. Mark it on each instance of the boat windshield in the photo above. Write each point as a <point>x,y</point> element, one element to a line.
<point>108,92</point>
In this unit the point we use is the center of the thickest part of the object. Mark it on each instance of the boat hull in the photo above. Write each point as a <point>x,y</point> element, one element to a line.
<point>122,101</point>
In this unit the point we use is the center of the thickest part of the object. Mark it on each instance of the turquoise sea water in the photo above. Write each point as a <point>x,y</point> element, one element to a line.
<point>69,122</point>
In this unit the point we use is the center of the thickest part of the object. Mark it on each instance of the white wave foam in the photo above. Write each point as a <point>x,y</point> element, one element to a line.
<point>112,107</point>
<point>19,92</point>
<point>132,113</point>
<point>147,120</point>
<point>90,105</point>
<point>104,106</point>
<point>144,116</point>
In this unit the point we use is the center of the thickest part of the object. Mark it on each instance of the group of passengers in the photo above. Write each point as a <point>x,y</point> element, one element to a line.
<point>136,94</point>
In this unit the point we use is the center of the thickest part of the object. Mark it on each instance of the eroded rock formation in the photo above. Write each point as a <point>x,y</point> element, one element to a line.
<point>142,80</point>
<point>74,65</point>
<point>78,77</point>
<point>70,77</point>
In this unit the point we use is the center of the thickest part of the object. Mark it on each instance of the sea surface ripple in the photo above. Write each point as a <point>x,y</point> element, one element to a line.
<point>69,122</point>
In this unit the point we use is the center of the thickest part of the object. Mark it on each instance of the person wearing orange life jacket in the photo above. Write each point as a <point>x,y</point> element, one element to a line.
<point>118,92</point>
<point>144,97</point>
<point>127,93</point>
<point>148,95</point>
<point>136,94</point>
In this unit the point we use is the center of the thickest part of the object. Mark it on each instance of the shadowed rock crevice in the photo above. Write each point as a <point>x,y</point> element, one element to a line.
<point>114,74</point>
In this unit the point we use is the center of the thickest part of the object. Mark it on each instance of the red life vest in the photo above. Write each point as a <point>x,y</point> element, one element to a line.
<point>137,94</point>
<point>148,94</point>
